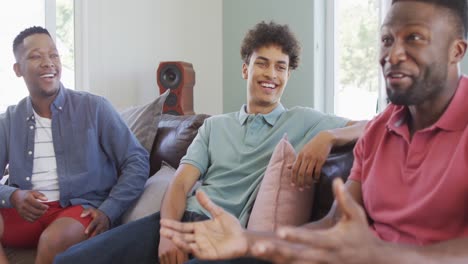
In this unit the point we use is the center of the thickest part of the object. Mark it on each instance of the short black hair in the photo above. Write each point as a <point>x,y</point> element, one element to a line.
<point>26,33</point>
<point>459,8</point>
<point>265,34</point>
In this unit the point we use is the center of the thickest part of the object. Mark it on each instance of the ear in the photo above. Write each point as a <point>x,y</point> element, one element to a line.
<point>17,69</point>
<point>458,51</point>
<point>245,71</point>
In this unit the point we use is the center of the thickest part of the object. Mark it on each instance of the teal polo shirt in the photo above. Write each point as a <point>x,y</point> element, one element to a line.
<point>232,152</point>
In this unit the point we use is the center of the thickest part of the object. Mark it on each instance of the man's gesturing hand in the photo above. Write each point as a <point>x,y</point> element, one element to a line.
<point>349,242</point>
<point>221,237</point>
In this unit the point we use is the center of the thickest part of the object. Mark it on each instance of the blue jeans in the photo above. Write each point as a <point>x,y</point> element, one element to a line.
<point>135,242</point>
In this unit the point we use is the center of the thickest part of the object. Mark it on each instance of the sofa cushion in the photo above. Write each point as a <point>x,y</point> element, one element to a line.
<point>278,203</point>
<point>175,134</point>
<point>151,199</point>
<point>143,120</point>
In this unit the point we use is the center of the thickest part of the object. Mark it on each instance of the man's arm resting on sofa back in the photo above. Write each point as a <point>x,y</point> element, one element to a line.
<point>310,159</point>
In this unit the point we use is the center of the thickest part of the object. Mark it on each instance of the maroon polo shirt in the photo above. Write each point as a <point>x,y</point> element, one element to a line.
<point>416,191</point>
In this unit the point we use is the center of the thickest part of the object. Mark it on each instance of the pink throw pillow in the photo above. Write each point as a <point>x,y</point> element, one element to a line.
<point>278,203</point>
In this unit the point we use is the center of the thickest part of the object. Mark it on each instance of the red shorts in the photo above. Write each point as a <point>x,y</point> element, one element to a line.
<point>20,233</point>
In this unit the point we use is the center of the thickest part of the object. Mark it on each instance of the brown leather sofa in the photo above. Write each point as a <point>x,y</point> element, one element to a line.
<point>174,135</point>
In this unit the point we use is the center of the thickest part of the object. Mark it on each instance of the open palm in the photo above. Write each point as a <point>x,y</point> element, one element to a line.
<point>219,238</point>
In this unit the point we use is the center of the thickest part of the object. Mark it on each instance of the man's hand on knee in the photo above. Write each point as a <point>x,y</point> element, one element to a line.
<point>99,224</point>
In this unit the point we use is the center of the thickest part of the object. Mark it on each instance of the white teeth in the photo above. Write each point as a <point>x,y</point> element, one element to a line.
<point>268,85</point>
<point>397,75</point>
<point>49,75</point>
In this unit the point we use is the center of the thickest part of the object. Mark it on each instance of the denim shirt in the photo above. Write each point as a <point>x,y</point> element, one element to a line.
<point>100,163</point>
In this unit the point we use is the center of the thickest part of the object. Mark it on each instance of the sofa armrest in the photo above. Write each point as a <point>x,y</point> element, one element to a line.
<point>150,200</point>
<point>338,164</point>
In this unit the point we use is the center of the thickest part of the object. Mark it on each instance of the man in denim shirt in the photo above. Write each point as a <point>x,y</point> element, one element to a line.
<point>74,166</point>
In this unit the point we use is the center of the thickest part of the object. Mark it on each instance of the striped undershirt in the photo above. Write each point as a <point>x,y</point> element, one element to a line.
<point>44,178</point>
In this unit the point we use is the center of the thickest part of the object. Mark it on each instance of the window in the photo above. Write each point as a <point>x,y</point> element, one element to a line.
<point>65,32</point>
<point>356,78</point>
<point>351,55</point>
<point>58,17</point>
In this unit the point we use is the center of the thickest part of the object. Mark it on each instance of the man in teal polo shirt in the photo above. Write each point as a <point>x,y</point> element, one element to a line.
<point>231,152</point>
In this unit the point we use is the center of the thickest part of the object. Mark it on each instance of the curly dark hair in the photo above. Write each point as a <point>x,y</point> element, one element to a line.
<point>26,33</point>
<point>264,34</point>
<point>458,8</point>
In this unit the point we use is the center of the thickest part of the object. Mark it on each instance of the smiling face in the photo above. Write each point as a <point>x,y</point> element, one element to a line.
<point>267,74</point>
<point>38,62</point>
<point>416,40</point>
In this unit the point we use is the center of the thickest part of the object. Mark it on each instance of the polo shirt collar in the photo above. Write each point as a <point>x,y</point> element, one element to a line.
<point>270,118</point>
<point>453,119</point>
<point>57,104</point>
<point>397,120</point>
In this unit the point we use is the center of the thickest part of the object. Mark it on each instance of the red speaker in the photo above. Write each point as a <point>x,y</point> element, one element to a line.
<point>179,78</point>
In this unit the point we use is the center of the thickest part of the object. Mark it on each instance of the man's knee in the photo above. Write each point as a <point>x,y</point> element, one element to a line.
<point>61,234</point>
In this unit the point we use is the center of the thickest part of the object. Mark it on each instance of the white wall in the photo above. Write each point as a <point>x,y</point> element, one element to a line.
<point>124,41</point>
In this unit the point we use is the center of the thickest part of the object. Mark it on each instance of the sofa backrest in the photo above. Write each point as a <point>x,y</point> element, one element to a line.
<point>175,133</point>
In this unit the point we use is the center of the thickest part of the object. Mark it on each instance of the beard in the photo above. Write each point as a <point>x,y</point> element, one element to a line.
<point>425,87</point>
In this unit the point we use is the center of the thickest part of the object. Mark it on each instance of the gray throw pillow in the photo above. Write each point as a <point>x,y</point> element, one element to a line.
<point>143,120</point>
